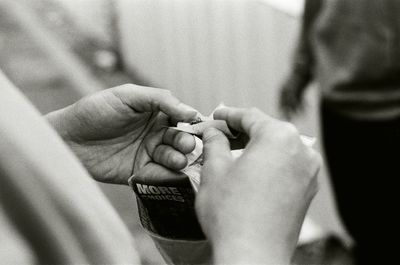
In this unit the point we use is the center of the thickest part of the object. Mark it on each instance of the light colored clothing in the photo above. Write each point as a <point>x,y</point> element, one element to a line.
<point>47,197</point>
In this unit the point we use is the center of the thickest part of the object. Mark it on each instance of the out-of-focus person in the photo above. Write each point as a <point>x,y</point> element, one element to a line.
<point>351,50</point>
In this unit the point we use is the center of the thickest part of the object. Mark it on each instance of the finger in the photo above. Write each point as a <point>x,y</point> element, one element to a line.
<point>153,140</point>
<point>181,141</point>
<point>155,174</point>
<point>149,99</point>
<point>216,151</point>
<point>249,121</point>
<point>169,157</point>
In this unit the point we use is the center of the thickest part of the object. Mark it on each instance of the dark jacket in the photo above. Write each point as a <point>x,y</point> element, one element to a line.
<point>352,50</point>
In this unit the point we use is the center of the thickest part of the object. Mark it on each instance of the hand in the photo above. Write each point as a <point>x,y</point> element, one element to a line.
<point>119,131</point>
<point>252,208</point>
<point>291,98</point>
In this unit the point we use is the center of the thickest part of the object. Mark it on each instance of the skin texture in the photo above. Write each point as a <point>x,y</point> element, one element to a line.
<point>122,131</point>
<point>252,208</point>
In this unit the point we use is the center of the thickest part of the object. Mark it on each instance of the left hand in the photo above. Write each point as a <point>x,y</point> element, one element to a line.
<point>121,130</point>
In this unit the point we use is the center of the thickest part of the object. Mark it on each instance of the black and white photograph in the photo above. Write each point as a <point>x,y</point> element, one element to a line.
<point>226,132</point>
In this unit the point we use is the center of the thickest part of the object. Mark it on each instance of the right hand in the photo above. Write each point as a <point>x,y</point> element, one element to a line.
<point>252,208</point>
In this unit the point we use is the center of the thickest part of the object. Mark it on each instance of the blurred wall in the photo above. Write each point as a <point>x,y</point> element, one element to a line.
<point>208,51</point>
<point>212,51</point>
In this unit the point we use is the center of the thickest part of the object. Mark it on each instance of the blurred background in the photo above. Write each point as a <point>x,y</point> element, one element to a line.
<point>205,51</point>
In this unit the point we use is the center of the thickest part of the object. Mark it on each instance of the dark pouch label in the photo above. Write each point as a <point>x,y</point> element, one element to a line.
<point>167,209</point>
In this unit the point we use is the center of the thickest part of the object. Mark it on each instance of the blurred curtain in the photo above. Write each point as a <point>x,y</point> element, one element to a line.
<point>208,51</point>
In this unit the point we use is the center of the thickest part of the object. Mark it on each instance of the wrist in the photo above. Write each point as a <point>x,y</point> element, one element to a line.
<point>246,251</point>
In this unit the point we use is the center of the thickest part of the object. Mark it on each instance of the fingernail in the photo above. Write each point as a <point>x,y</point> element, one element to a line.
<point>195,115</point>
<point>193,112</point>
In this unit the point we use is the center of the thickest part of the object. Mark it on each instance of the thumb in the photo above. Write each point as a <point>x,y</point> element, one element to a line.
<point>216,152</point>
